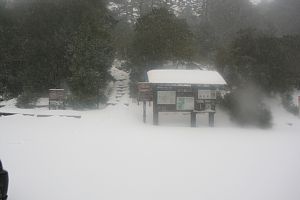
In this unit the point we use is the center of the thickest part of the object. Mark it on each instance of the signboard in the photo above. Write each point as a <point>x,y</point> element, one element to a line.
<point>145,91</point>
<point>205,105</point>
<point>185,103</point>
<point>57,94</point>
<point>144,87</point>
<point>56,99</point>
<point>166,97</point>
<point>206,94</point>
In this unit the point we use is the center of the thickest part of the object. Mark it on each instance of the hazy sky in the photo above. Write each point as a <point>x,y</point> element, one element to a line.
<point>258,1</point>
<point>255,1</point>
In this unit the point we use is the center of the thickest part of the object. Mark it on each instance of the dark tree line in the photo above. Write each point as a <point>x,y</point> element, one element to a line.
<point>55,44</point>
<point>243,41</point>
<point>232,35</point>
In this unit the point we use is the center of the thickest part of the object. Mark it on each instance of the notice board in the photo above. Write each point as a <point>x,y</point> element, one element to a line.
<point>185,103</point>
<point>166,97</point>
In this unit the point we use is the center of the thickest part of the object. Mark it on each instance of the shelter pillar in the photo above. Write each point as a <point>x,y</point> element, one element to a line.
<point>193,119</point>
<point>155,110</point>
<point>211,119</point>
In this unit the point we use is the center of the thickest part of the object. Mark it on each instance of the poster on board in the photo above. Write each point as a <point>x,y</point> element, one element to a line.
<point>207,94</point>
<point>166,97</point>
<point>185,103</point>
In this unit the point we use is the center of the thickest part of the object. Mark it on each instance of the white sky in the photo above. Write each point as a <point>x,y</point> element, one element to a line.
<point>258,1</point>
<point>255,1</point>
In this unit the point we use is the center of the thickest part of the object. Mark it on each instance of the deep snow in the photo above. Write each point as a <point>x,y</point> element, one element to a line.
<point>110,154</point>
<point>180,76</point>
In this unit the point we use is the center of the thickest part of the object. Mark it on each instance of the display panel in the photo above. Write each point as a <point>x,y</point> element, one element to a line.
<point>185,103</point>
<point>166,97</point>
<point>206,94</point>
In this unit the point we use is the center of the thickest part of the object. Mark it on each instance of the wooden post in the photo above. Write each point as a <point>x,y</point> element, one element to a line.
<point>211,119</point>
<point>155,111</point>
<point>299,104</point>
<point>193,119</point>
<point>144,111</point>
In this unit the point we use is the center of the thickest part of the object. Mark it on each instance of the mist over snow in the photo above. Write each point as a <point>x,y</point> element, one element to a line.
<point>241,56</point>
<point>111,154</point>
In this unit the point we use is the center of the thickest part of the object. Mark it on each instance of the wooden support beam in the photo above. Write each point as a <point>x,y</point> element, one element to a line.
<point>193,119</point>
<point>155,110</point>
<point>144,111</point>
<point>211,119</point>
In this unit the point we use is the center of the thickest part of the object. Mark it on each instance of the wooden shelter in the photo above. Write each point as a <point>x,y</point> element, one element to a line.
<point>193,91</point>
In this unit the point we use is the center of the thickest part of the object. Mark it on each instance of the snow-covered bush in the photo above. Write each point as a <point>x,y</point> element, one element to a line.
<point>27,99</point>
<point>246,107</point>
<point>287,102</point>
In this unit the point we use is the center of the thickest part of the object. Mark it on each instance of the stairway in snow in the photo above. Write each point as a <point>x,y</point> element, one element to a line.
<point>120,93</point>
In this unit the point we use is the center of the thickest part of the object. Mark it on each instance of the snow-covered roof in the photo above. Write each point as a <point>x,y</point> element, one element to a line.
<point>185,77</point>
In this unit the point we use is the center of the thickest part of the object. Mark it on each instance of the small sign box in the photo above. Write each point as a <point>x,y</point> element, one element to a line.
<point>206,94</point>
<point>56,99</point>
<point>206,100</point>
<point>145,91</point>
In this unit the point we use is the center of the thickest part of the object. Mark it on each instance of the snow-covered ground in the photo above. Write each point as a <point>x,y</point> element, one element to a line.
<point>110,154</point>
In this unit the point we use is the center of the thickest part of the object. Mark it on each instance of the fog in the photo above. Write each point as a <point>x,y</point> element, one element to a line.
<point>64,43</point>
<point>87,59</point>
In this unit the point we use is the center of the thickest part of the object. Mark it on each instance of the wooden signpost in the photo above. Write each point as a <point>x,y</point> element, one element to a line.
<point>144,94</point>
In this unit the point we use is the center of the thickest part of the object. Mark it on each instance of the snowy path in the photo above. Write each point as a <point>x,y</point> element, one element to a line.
<point>120,93</point>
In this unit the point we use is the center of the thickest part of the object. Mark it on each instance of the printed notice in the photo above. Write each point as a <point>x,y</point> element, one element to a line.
<point>166,97</point>
<point>206,94</point>
<point>185,103</point>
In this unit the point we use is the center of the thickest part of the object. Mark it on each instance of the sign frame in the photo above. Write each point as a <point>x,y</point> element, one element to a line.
<point>185,103</point>
<point>166,97</point>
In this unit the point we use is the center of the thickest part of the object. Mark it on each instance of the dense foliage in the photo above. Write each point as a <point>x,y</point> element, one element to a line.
<point>56,44</point>
<point>160,36</point>
<point>245,106</point>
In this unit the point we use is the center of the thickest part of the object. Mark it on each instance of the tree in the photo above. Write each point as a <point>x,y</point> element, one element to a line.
<point>284,15</point>
<point>52,44</point>
<point>227,17</point>
<point>122,38</point>
<point>91,51</point>
<point>10,83</point>
<point>259,58</point>
<point>160,36</point>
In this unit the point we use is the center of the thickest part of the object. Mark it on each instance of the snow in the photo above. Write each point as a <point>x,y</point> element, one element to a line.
<point>9,104</point>
<point>113,6</point>
<point>187,66</point>
<point>42,102</point>
<point>110,154</point>
<point>185,77</point>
